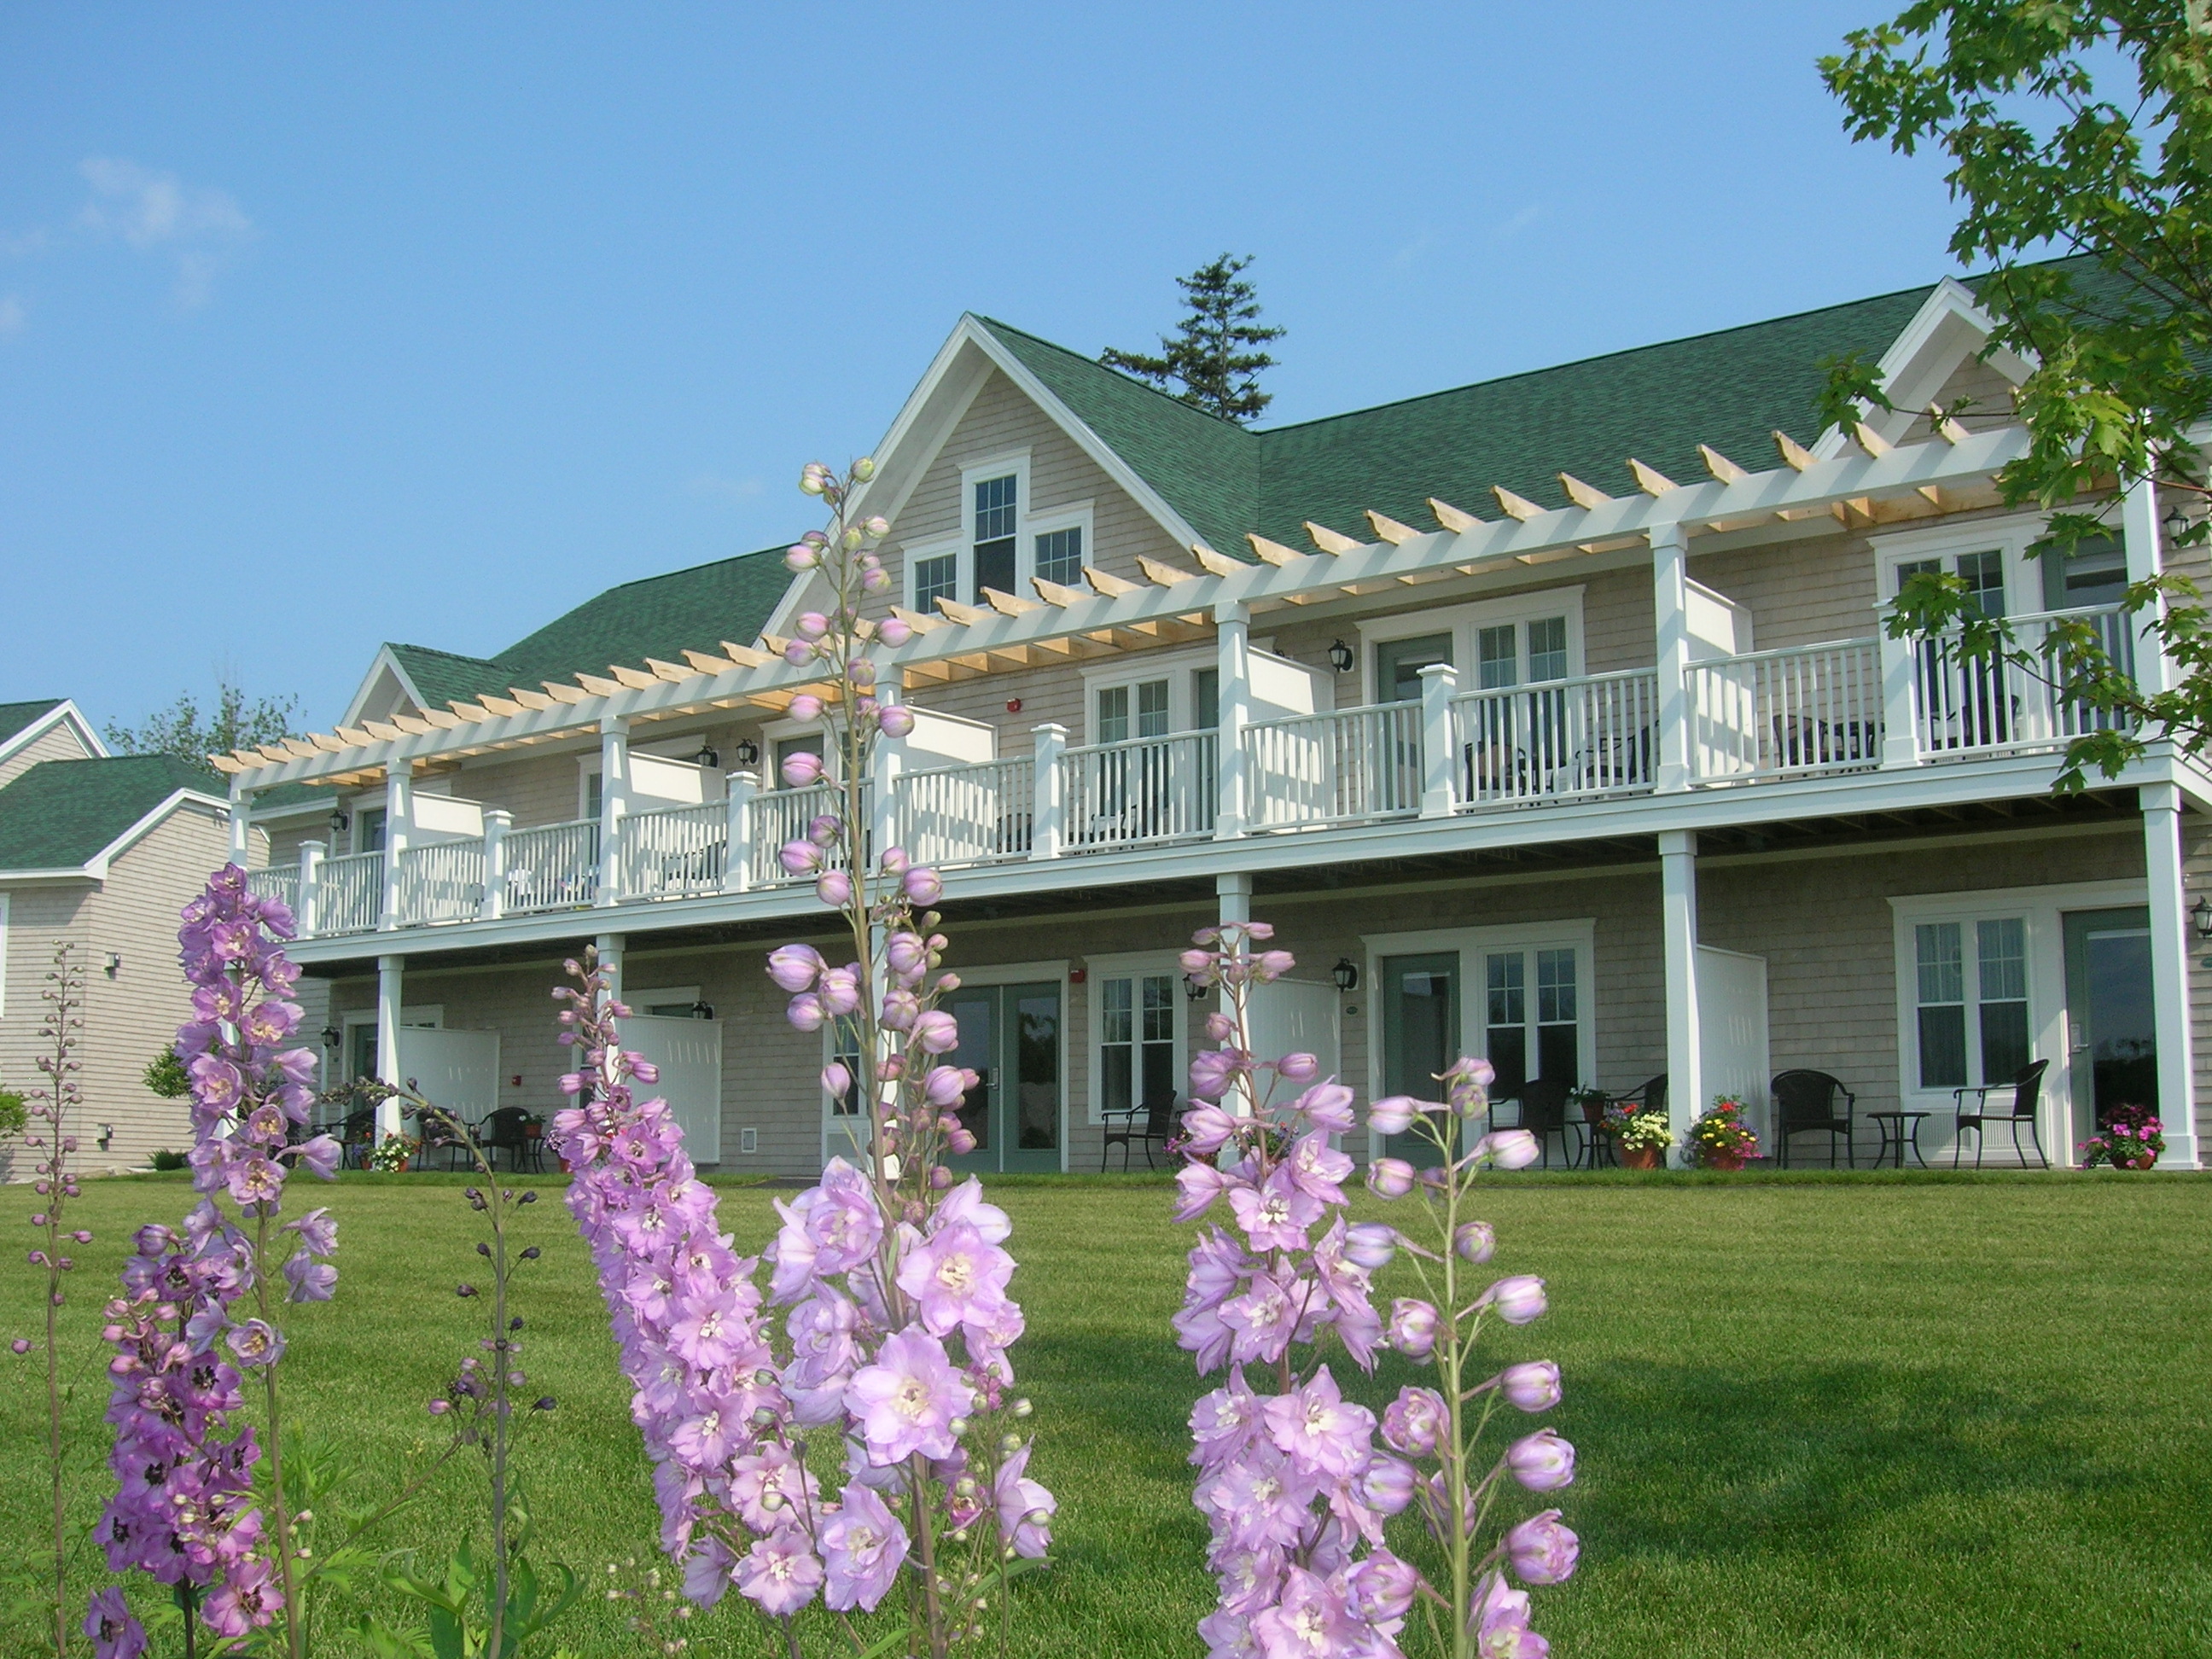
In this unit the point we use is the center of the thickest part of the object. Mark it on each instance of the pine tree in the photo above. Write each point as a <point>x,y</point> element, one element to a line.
<point>1211,357</point>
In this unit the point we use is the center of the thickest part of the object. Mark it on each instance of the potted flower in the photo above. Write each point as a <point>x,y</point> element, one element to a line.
<point>1721,1140</point>
<point>1594,1103</point>
<point>392,1154</point>
<point>1642,1132</point>
<point>2131,1138</point>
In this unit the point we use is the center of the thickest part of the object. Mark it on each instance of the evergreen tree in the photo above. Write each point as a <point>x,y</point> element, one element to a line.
<point>1211,357</point>
<point>183,730</point>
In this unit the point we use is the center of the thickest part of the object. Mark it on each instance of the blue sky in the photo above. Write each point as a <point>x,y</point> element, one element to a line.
<point>320,326</point>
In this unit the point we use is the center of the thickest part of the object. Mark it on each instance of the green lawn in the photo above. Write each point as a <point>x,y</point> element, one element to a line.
<point>1858,1416</point>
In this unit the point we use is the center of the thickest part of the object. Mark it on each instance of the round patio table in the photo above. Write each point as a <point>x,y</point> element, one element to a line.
<point>1894,1140</point>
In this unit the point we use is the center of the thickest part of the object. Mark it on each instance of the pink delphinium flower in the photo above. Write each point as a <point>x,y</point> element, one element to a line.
<point>906,1401</point>
<point>863,1545</point>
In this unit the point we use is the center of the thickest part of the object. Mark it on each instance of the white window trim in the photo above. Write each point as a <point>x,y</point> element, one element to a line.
<point>1469,943</point>
<point>2043,910</point>
<point>2012,536</point>
<point>1016,461</point>
<point>1076,515</point>
<point>4,953</point>
<point>835,1143</point>
<point>1176,667</point>
<point>1133,965</point>
<point>1463,622</point>
<point>964,566</point>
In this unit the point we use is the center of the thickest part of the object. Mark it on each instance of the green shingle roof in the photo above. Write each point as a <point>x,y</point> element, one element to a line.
<point>1729,389</point>
<point>15,716</point>
<point>60,813</point>
<point>655,616</point>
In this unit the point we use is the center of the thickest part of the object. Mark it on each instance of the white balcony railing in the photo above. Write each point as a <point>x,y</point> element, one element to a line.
<point>278,881</point>
<point>1352,766</point>
<point>441,881</point>
<point>676,852</point>
<point>553,866</point>
<point>1965,707</point>
<point>783,815</point>
<point>1784,713</point>
<point>349,894</point>
<point>1151,789</point>
<point>966,814</point>
<point>1597,734</point>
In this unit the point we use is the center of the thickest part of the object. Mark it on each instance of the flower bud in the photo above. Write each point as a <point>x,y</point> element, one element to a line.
<point>805,707</point>
<point>1387,1485</point>
<point>864,469</point>
<point>1532,1387</point>
<point>1518,1299</point>
<point>1511,1148</point>
<point>834,888</point>
<point>1412,1422</point>
<point>1370,1245</point>
<point>801,768</point>
<point>1393,1114</point>
<point>1475,1242</point>
<point>892,631</point>
<point>1542,1550</point>
<point>1298,1069</point>
<point>1542,1461</point>
<point>1412,1327</point>
<point>1388,1177</point>
<point>921,885</point>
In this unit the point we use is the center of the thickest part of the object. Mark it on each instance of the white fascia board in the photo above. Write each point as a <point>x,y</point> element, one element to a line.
<point>101,861</point>
<point>64,713</point>
<point>1950,326</point>
<point>1726,807</point>
<point>1563,529</point>
<point>384,663</point>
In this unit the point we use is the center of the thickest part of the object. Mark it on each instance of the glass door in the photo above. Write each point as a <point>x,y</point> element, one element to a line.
<point>2111,1029</point>
<point>1420,1038</point>
<point>1010,1037</point>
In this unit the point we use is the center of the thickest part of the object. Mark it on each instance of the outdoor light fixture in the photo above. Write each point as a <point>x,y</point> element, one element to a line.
<point>707,756</point>
<point>703,1010</point>
<point>747,752</point>
<point>2176,522</point>
<point>331,1037</point>
<point>1194,989</point>
<point>338,822</point>
<point>1346,974</point>
<point>115,964</point>
<point>1339,656</point>
<point>2201,914</point>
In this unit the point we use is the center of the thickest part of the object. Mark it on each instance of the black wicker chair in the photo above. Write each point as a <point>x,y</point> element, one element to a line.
<point>506,1130</point>
<point>1805,1102</point>
<point>1153,1123</point>
<point>1544,1103</point>
<point>2026,1090</point>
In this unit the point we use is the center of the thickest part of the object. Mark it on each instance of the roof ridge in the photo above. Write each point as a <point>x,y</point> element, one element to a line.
<point>1599,358</point>
<point>1126,378</point>
<point>440,651</point>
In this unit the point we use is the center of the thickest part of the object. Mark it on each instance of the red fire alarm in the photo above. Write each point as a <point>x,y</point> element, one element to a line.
<point>1077,975</point>
<point>515,1081</point>
<point>1013,705</point>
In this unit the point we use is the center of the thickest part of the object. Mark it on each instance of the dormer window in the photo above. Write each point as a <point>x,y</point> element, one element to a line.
<point>998,504</point>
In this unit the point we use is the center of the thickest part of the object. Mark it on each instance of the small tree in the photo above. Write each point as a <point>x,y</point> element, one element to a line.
<point>183,730</point>
<point>2042,159</point>
<point>1212,356</point>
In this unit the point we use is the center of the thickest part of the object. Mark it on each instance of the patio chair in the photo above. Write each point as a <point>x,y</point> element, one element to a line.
<point>1544,1113</point>
<point>2026,1090</point>
<point>1805,1102</point>
<point>438,1136</point>
<point>1650,1095</point>
<point>1153,1122</point>
<point>356,1134</point>
<point>504,1131</point>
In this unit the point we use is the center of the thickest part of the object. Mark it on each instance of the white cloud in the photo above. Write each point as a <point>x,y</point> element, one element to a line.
<point>201,228</point>
<point>11,313</point>
<point>729,489</point>
<point>1519,222</point>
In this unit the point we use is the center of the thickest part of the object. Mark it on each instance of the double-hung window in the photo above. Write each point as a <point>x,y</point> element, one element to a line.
<point>1971,986</point>
<point>998,509</point>
<point>936,576</point>
<point>1136,1039</point>
<point>1126,712</point>
<point>1520,1029</point>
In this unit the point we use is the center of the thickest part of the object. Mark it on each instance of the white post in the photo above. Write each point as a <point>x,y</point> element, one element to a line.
<point>1439,682</point>
<point>2169,972</point>
<point>388,975</point>
<point>738,849</point>
<point>1678,910</point>
<point>881,829</point>
<point>497,821</point>
<point>241,823</point>
<point>1048,818</point>
<point>1233,661</point>
<point>2139,531</point>
<point>611,955</point>
<point>310,882</point>
<point>398,830</point>
<point>1234,895</point>
<point>1900,679</point>
<point>1670,603</point>
<point>613,803</point>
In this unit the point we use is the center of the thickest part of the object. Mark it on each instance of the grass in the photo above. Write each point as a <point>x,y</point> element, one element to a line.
<point>1857,1416</point>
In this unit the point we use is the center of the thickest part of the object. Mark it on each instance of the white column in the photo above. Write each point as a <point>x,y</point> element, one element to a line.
<point>398,830</point>
<point>241,823</point>
<point>1900,718</point>
<point>2140,534</point>
<point>1233,645</point>
<point>388,975</point>
<point>1670,604</point>
<point>889,762</point>
<point>1678,910</point>
<point>2169,972</point>
<point>497,821</point>
<point>1234,895</point>
<point>611,955</point>
<point>1439,683</point>
<point>613,803</point>
<point>1048,793</point>
<point>738,854</point>
<point>311,883</point>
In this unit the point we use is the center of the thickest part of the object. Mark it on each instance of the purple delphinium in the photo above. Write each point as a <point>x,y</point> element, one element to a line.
<point>1296,1492</point>
<point>899,1325</point>
<point>200,1313</point>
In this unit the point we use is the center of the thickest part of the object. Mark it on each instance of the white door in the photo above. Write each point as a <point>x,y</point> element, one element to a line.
<point>457,1071</point>
<point>1732,1029</point>
<point>1297,1016</point>
<point>689,1054</point>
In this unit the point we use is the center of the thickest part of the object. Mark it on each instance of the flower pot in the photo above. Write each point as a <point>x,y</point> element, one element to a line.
<point>2139,1161</point>
<point>1643,1157</point>
<point>1723,1160</point>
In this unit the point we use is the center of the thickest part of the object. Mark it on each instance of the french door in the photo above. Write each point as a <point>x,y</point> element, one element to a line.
<point>2111,1027</point>
<point>1420,1038</point>
<point>1010,1037</point>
